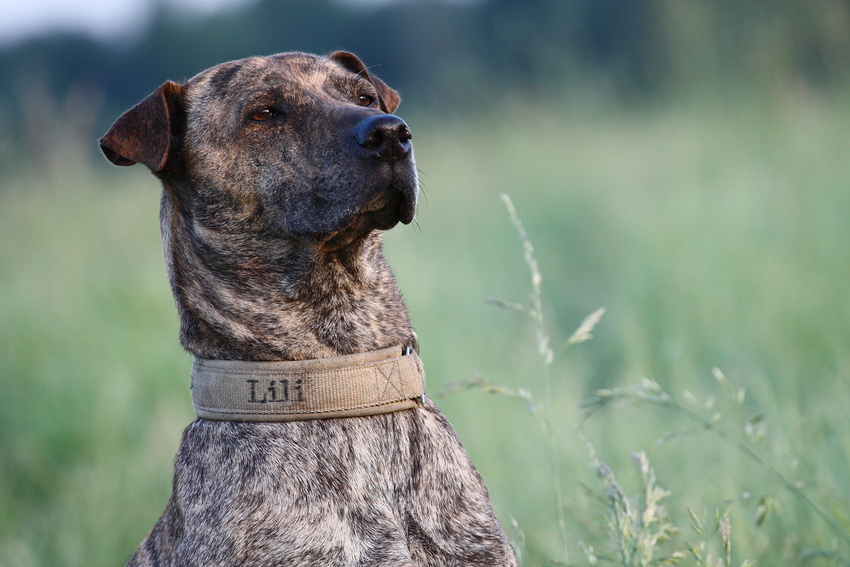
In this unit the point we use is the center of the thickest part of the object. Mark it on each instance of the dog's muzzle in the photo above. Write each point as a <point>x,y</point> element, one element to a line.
<point>386,138</point>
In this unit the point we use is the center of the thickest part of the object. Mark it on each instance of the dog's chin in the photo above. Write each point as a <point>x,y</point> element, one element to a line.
<point>393,206</point>
<point>381,213</point>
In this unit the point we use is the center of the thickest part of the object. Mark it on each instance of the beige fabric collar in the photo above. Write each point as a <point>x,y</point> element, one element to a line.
<point>370,383</point>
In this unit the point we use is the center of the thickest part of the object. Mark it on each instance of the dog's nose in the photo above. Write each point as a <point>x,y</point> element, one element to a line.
<point>385,137</point>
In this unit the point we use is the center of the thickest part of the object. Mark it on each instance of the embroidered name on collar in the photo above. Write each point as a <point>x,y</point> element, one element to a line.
<point>370,383</point>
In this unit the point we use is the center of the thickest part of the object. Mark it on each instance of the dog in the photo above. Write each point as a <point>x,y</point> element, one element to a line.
<point>279,175</point>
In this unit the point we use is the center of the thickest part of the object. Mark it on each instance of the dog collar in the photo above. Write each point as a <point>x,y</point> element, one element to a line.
<point>371,383</point>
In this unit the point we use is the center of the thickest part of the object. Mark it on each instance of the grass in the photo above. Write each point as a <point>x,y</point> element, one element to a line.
<point>715,236</point>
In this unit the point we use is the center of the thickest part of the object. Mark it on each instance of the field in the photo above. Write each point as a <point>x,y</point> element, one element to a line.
<point>716,236</point>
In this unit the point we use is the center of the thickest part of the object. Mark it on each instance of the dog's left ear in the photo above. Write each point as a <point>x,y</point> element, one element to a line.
<point>145,133</point>
<point>389,99</point>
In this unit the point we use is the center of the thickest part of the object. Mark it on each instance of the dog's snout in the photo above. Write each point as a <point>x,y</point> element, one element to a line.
<point>385,137</point>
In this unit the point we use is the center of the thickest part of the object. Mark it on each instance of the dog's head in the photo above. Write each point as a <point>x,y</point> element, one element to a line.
<point>300,146</point>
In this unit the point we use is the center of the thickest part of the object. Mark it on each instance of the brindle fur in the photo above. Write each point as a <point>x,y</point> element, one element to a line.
<point>272,239</point>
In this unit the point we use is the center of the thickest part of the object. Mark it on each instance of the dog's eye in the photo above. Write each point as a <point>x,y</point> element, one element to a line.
<point>264,114</point>
<point>366,100</point>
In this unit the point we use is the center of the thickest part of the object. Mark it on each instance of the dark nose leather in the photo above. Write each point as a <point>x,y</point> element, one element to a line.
<point>385,137</point>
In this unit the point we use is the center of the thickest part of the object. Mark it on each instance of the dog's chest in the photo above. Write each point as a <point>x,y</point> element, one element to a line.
<point>376,490</point>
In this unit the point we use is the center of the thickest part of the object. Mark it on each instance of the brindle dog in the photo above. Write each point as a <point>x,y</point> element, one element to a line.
<point>280,174</point>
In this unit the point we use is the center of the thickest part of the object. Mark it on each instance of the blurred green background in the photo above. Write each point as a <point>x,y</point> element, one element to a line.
<point>684,163</point>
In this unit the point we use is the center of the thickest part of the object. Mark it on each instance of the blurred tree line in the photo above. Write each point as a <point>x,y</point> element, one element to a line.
<point>462,56</point>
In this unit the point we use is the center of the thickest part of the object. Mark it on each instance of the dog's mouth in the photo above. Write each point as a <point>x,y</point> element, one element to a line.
<point>382,212</point>
<point>392,205</point>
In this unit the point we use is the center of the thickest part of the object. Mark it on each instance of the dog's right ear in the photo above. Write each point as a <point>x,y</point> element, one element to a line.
<point>144,134</point>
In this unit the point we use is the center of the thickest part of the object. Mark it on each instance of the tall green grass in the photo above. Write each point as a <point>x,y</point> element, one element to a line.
<point>715,236</point>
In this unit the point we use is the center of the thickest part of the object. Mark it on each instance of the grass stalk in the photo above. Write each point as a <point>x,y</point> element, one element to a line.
<point>547,355</point>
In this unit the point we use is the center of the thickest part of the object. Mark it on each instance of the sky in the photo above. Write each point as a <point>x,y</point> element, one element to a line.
<point>103,19</point>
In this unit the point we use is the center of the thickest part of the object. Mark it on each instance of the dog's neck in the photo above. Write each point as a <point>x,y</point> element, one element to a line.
<point>257,297</point>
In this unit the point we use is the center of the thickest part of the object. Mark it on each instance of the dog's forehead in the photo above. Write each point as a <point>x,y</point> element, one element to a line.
<point>282,72</point>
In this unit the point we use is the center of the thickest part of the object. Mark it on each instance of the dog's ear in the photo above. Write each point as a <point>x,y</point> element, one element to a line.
<point>389,99</point>
<point>144,134</point>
